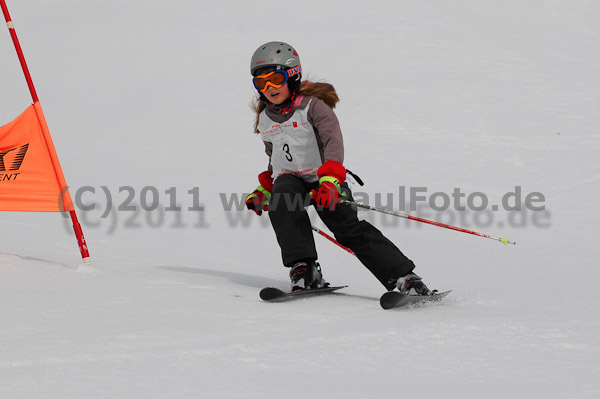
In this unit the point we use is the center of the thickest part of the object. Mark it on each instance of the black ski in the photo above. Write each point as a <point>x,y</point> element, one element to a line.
<point>276,295</point>
<point>395,299</point>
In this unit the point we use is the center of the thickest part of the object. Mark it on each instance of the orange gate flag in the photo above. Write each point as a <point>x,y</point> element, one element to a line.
<point>31,178</point>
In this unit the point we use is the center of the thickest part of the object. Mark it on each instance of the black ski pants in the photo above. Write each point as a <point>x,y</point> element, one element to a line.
<point>295,236</point>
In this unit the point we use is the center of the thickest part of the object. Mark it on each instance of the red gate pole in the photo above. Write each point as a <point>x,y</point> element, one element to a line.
<point>85,255</point>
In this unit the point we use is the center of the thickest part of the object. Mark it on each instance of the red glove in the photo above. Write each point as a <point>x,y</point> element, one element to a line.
<point>331,175</point>
<point>258,200</point>
<point>327,195</point>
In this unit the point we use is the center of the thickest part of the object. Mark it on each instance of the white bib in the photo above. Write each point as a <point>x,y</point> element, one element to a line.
<point>295,148</point>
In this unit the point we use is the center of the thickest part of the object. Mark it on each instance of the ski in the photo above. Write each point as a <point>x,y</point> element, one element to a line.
<point>272,294</point>
<point>395,299</point>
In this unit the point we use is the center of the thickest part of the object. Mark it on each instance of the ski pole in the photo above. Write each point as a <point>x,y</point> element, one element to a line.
<point>333,240</point>
<point>503,240</point>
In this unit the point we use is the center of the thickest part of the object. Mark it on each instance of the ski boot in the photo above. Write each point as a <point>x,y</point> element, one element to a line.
<point>411,284</point>
<point>306,275</point>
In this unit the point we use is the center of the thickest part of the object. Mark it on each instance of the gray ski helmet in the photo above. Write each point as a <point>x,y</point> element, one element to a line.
<point>274,54</point>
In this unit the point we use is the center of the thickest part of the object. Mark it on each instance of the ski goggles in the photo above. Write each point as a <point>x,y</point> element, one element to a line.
<point>274,79</point>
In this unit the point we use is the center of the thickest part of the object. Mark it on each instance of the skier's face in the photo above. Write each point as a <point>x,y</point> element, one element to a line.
<point>277,96</point>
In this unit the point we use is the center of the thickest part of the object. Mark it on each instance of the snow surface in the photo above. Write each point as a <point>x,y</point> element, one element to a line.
<point>479,95</point>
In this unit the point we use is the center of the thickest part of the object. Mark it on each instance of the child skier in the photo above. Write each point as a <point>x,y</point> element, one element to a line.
<point>303,141</point>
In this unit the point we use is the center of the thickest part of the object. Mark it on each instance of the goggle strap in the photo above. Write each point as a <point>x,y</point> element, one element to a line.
<point>294,71</point>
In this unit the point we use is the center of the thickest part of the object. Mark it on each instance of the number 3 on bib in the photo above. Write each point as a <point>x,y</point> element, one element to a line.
<point>288,156</point>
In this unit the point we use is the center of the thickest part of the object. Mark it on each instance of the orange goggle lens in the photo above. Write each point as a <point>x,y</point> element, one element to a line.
<point>274,78</point>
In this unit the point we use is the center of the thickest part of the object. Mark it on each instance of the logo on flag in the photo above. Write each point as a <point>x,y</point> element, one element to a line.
<point>17,160</point>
